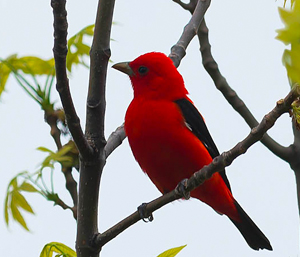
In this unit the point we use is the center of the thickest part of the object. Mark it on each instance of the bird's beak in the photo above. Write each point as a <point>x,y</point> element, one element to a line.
<point>124,67</point>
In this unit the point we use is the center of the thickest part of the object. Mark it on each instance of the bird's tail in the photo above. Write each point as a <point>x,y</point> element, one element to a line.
<point>252,234</point>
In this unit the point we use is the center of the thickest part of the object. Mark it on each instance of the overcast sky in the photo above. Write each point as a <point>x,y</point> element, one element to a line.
<point>242,34</point>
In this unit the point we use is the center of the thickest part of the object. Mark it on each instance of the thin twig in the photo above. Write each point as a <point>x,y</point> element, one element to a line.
<point>190,30</point>
<point>51,118</point>
<point>218,163</point>
<point>60,52</point>
<point>63,205</point>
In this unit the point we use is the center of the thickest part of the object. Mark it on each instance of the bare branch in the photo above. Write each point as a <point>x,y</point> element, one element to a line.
<point>63,205</point>
<point>91,168</point>
<point>71,184</point>
<point>100,54</point>
<point>218,163</point>
<point>115,139</point>
<point>190,30</point>
<point>231,96</point>
<point>60,52</point>
<point>51,118</point>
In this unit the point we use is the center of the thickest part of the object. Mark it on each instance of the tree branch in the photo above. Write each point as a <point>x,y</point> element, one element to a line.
<point>71,184</point>
<point>62,85</point>
<point>231,96</point>
<point>64,206</point>
<point>178,51</point>
<point>51,119</point>
<point>218,163</point>
<point>100,54</point>
<point>91,168</point>
<point>115,139</point>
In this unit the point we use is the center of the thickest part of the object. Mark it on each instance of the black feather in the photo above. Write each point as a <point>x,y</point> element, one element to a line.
<point>195,121</point>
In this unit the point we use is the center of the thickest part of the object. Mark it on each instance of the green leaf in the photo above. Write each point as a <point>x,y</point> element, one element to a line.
<point>59,248</point>
<point>17,216</point>
<point>172,252</point>
<point>44,149</point>
<point>19,200</point>
<point>28,187</point>
<point>6,207</point>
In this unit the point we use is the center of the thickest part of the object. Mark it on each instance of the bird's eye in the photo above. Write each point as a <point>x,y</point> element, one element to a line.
<point>143,70</point>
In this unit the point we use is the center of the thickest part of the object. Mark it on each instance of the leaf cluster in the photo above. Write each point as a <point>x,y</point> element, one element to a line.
<point>29,70</point>
<point>15,200</point>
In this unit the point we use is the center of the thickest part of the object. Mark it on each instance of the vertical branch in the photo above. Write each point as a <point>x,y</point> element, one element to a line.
<point>100,54</point>
<point>91,168</point>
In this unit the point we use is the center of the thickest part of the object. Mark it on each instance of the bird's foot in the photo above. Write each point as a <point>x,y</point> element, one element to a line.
<point>145,216</point>
<point>181,189</point>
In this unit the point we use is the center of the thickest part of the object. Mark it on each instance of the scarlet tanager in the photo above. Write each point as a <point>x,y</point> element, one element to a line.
<point>170,141</point>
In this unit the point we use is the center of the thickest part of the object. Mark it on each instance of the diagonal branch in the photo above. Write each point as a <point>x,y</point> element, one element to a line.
<point>218,163</point>
<point>178,51</point>
<point>60,52</point>
<point>231,96</point>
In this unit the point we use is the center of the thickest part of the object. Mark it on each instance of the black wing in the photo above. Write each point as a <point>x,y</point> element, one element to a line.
<point>197,125</point>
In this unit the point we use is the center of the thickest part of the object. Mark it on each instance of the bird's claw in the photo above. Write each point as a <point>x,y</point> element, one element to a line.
<point>145,216</point>
<point>181,189</point>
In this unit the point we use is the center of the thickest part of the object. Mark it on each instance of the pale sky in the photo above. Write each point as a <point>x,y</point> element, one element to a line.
<point>242,35</point>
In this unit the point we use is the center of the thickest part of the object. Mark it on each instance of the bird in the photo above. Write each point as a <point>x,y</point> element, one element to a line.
<point>170,140</point>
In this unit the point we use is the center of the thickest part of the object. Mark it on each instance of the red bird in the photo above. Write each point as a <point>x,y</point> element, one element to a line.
<point>170,141</point>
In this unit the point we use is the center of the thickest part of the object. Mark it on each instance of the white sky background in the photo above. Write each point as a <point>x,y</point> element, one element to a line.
<point>242,36</point>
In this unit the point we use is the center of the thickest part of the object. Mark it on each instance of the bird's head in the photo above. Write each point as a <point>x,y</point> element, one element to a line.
<point>153,75</point>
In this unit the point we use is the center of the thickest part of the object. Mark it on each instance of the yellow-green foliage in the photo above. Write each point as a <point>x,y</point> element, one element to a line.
<point>35,66</point>
<point>290,35</point>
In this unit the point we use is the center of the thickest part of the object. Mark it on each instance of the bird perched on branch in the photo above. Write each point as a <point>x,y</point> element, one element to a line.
<point>170,141</point>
